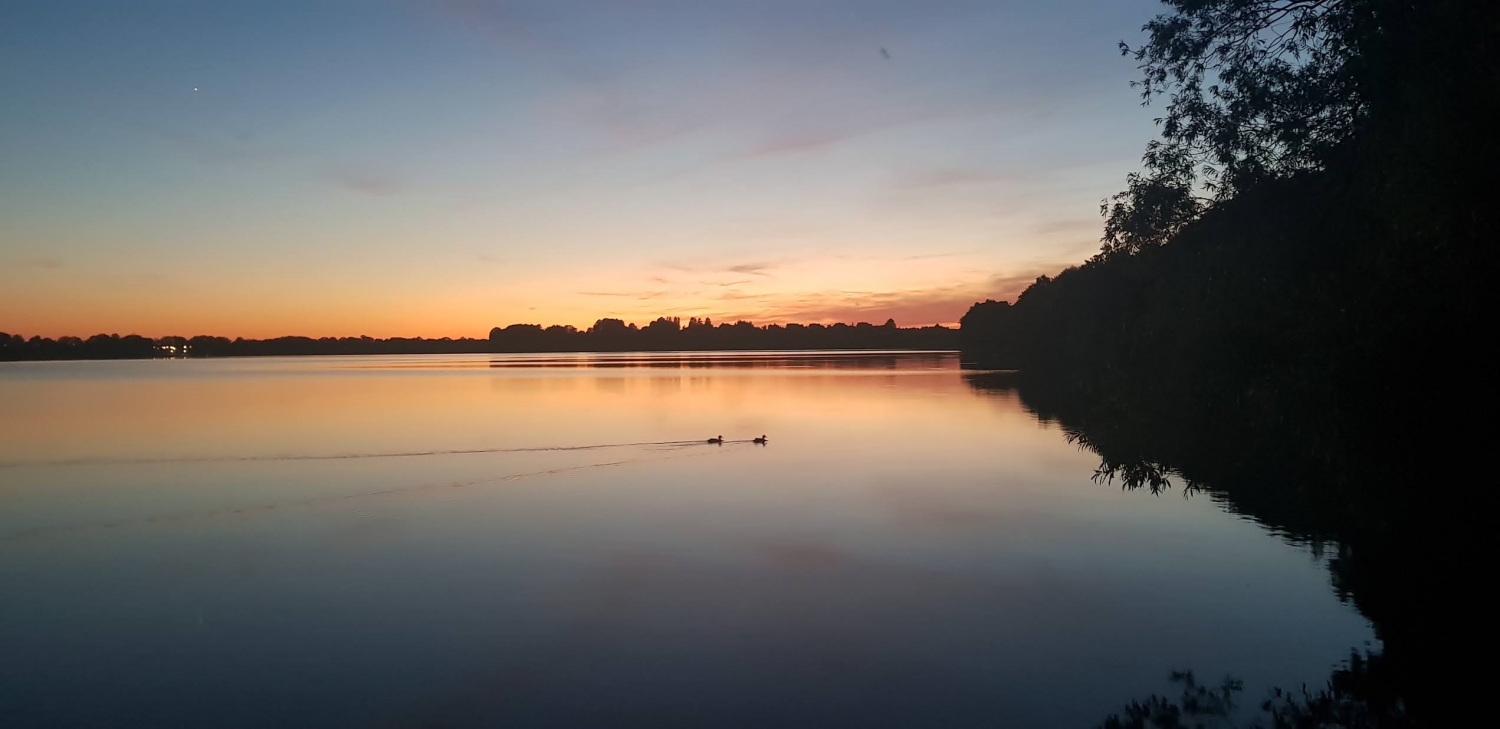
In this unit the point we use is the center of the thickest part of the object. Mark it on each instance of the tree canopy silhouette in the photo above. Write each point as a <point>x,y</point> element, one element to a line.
<point>1317,201</point>
<point>1254,89</point>
<point>1265,89</point>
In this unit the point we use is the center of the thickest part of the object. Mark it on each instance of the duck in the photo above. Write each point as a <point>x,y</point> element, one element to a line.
<point>716,439</point>
<point>761,440</point>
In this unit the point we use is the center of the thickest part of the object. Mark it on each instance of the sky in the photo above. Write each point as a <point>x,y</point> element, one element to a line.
<point>408,168</point>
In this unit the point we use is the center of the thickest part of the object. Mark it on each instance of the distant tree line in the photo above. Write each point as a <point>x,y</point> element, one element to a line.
<point>607,335</point>
<point>14,347</point>
<point>671,334</point>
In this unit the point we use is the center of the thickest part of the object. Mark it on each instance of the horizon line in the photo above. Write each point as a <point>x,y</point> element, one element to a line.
<point>630,326</point>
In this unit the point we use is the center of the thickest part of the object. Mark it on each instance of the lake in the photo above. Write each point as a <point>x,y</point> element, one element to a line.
<point>547,540</point>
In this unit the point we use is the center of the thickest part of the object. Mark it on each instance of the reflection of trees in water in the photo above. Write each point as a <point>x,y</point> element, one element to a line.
<point>1387,539</point>
<point>1355,696</point>
<point>847,360</point>
<point>1132,474</point>
<point>1198,706</point>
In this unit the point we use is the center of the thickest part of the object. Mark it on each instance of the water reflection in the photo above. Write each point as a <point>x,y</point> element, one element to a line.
<point>375,542</point>
<point>781,361</point>
<point>1285,468</point>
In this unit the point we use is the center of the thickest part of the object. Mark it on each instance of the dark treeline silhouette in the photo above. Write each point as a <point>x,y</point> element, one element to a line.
<point>1290,306</point>
<point>671,334</point>
<point>607,335</point>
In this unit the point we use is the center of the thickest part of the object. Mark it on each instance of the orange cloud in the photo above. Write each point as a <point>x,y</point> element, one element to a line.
<point>918,307</point>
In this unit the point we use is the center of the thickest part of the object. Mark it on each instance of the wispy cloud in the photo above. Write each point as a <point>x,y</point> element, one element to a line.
<point>752,269</point>
<point>909,308</point>
<point>48,263</point>
<point>797,143</point>
<point>826,85</point>
<point>240,148</point>
<point>366,183</point>
<point>638,295</point>
<point>929,256</point>
<point>759,269</point>
<point>509,27</point>
<point>742,296</point>
<point>908,257</point>
<point>824,125</point>
<point>488,19</point>
<point>948,178</point>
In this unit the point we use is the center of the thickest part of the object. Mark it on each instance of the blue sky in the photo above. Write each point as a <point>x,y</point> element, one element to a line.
<point>437,168</point>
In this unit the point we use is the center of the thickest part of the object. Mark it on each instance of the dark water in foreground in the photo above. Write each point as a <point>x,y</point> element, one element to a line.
<point>528,541</point>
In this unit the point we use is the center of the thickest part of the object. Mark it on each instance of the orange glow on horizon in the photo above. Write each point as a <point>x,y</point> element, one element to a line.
<point>55,306</point>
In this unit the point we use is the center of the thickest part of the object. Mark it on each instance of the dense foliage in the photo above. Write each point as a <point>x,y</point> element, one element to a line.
<point>1314,216</point>
<point>1259,90</point>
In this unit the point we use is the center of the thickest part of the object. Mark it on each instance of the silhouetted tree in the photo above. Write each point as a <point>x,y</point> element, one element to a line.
<point>1255,89</point>
<point>1258,90</point>
<point>663,325</point>
<point>608,327</point>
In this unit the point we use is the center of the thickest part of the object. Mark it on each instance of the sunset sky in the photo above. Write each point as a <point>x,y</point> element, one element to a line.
<point>437,168</point>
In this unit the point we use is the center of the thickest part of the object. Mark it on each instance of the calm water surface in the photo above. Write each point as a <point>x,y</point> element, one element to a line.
<point>545,541</point>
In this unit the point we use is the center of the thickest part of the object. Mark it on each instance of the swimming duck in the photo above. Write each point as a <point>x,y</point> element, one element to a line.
<point>716,439</point>
<point>761,440</point>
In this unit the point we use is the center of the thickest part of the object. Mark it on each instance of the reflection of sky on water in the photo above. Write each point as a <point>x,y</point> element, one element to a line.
<point>905,549</point>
